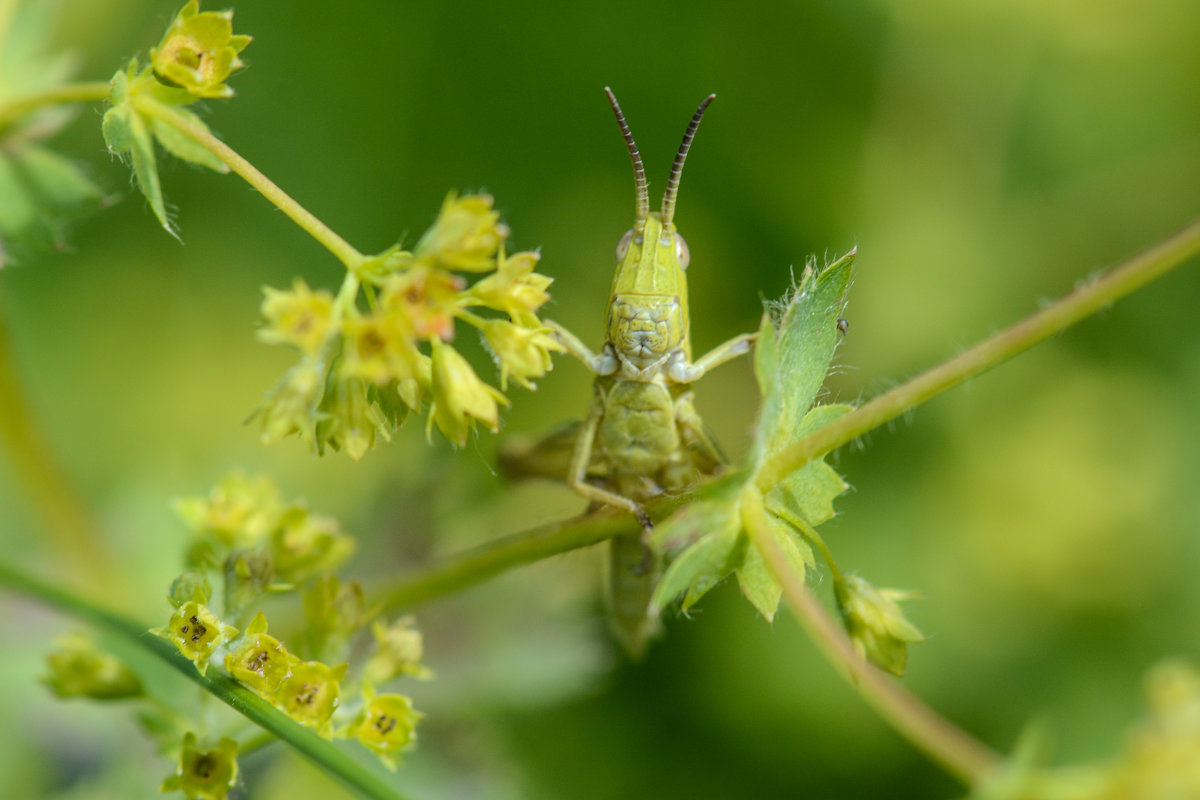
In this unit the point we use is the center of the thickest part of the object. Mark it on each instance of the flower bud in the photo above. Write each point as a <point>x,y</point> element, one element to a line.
<point>465,236</point>
<point>305,544</point>
<point>460,397</point>
<point>520,352</point>
<point>398,651</point>
<point>875,622</point>
<point>79,669</point>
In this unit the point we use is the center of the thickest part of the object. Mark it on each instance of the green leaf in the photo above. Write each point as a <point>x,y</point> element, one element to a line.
<point>117,127</point>
<point>809,492</point>
<point>758,585</point>
<point>145,169</point>
<point>806,336</point>
<point>709,532</point>
<point>182,146</point>
<point>18,211</point>
<point>59,185</point>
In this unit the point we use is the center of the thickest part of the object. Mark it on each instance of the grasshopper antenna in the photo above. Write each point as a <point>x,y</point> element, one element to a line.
<point>672,190</point>
<point>639,171</point>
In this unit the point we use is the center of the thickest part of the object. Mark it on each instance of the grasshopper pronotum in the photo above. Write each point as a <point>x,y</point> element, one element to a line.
<point>642,436</point>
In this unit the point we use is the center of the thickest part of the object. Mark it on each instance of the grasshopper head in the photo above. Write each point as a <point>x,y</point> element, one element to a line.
<point>648,308</point>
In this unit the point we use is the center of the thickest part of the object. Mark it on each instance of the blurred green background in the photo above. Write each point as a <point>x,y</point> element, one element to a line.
<point>983,156</point>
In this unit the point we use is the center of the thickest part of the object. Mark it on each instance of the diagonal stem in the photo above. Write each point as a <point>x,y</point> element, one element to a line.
<point>323,753</point>
<point>1085,300</point>
<point>950,746</point>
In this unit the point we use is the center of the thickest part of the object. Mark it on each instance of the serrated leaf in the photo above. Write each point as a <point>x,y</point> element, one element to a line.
<point>59,185</point>
<point>758,585</point>
<point>809,492</point>
<point>712,528</point>
<point>806,337</point>
<point>145,169</point>
<point>766,360</point>
<point>184,147</point>
<point>117,127</point>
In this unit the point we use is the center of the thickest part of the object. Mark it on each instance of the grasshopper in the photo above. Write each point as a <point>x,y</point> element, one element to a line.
<point>642,436</point>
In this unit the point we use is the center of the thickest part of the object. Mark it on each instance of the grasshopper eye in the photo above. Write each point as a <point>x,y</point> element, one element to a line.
<point>682,254</point>
<point>623,245</point>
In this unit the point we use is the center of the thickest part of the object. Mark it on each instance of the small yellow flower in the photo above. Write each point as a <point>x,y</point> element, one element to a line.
<point>199,51</point>
<point>79,669</point>
<point>380,348</point>
<point>260,661</point>
<point>306,543</point>
<point>460,397</point>
<point>204,774</point>
<point>514,288</point>
<point>465,236</point>
<point>427,298</point>
<point>386,725</point>
<point>197,632</point>
<point>292,406</point>
<point>399,648</point>
<point>334,611</point>
<point>875,622</point>
<point>239,512</point>
<point>311,694</point>
<point>521,352</point>
<point>299,317</point>
<point>352,421</point>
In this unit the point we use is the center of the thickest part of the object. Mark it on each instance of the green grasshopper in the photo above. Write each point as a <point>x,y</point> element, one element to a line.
<point>642,436</point>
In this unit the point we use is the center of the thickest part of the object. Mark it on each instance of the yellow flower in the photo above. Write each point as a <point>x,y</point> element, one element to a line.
<point>465,235</point>
<point>514,288</point>
<point>311,694</point>
<point>521,352</point>
<point>299,317</point>
<point>380,348</point>
<point>426,298</point>
<point>199,51</point>
<point>197,632</point>
<point>204,774</point>
<point>386,725</point>
<point>399,648</point>
<point>460,397</point>
<point>305,543</point>
<point>260,661</point>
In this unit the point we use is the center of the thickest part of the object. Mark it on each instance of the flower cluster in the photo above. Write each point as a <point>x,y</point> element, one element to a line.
<point>362,370</point>
<point>250,542</point>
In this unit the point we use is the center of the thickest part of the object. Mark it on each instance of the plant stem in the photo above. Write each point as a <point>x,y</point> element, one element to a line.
<point>323,753</point>
<point>1088,298</point>
<point>487,560</point>
<point>59,95</point>
<point>75,537</point>
<point>343,250</point>
<point>953,748</point>
<point>480,563</point>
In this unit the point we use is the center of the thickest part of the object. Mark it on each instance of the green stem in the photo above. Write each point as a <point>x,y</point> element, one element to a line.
<point>487,560</point>
<point>70,93</point>
<point>343,250</point>
<point>323,753</point>
<point>76,539</point>
<point>953,748</point>
<point>1087,299</point>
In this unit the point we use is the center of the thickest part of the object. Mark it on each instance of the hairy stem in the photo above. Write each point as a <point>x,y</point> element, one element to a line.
<point>488,560</point>
<point>343,250</point>
<point>76,539</point>
<point>1087,299</point>
<point>59,95</point>
<point>323,753</point>
<point>953,748</point>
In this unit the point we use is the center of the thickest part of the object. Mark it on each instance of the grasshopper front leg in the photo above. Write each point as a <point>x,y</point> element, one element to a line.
<point>683,372</point>
<point>581,459</point>
<point>602,364</point>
